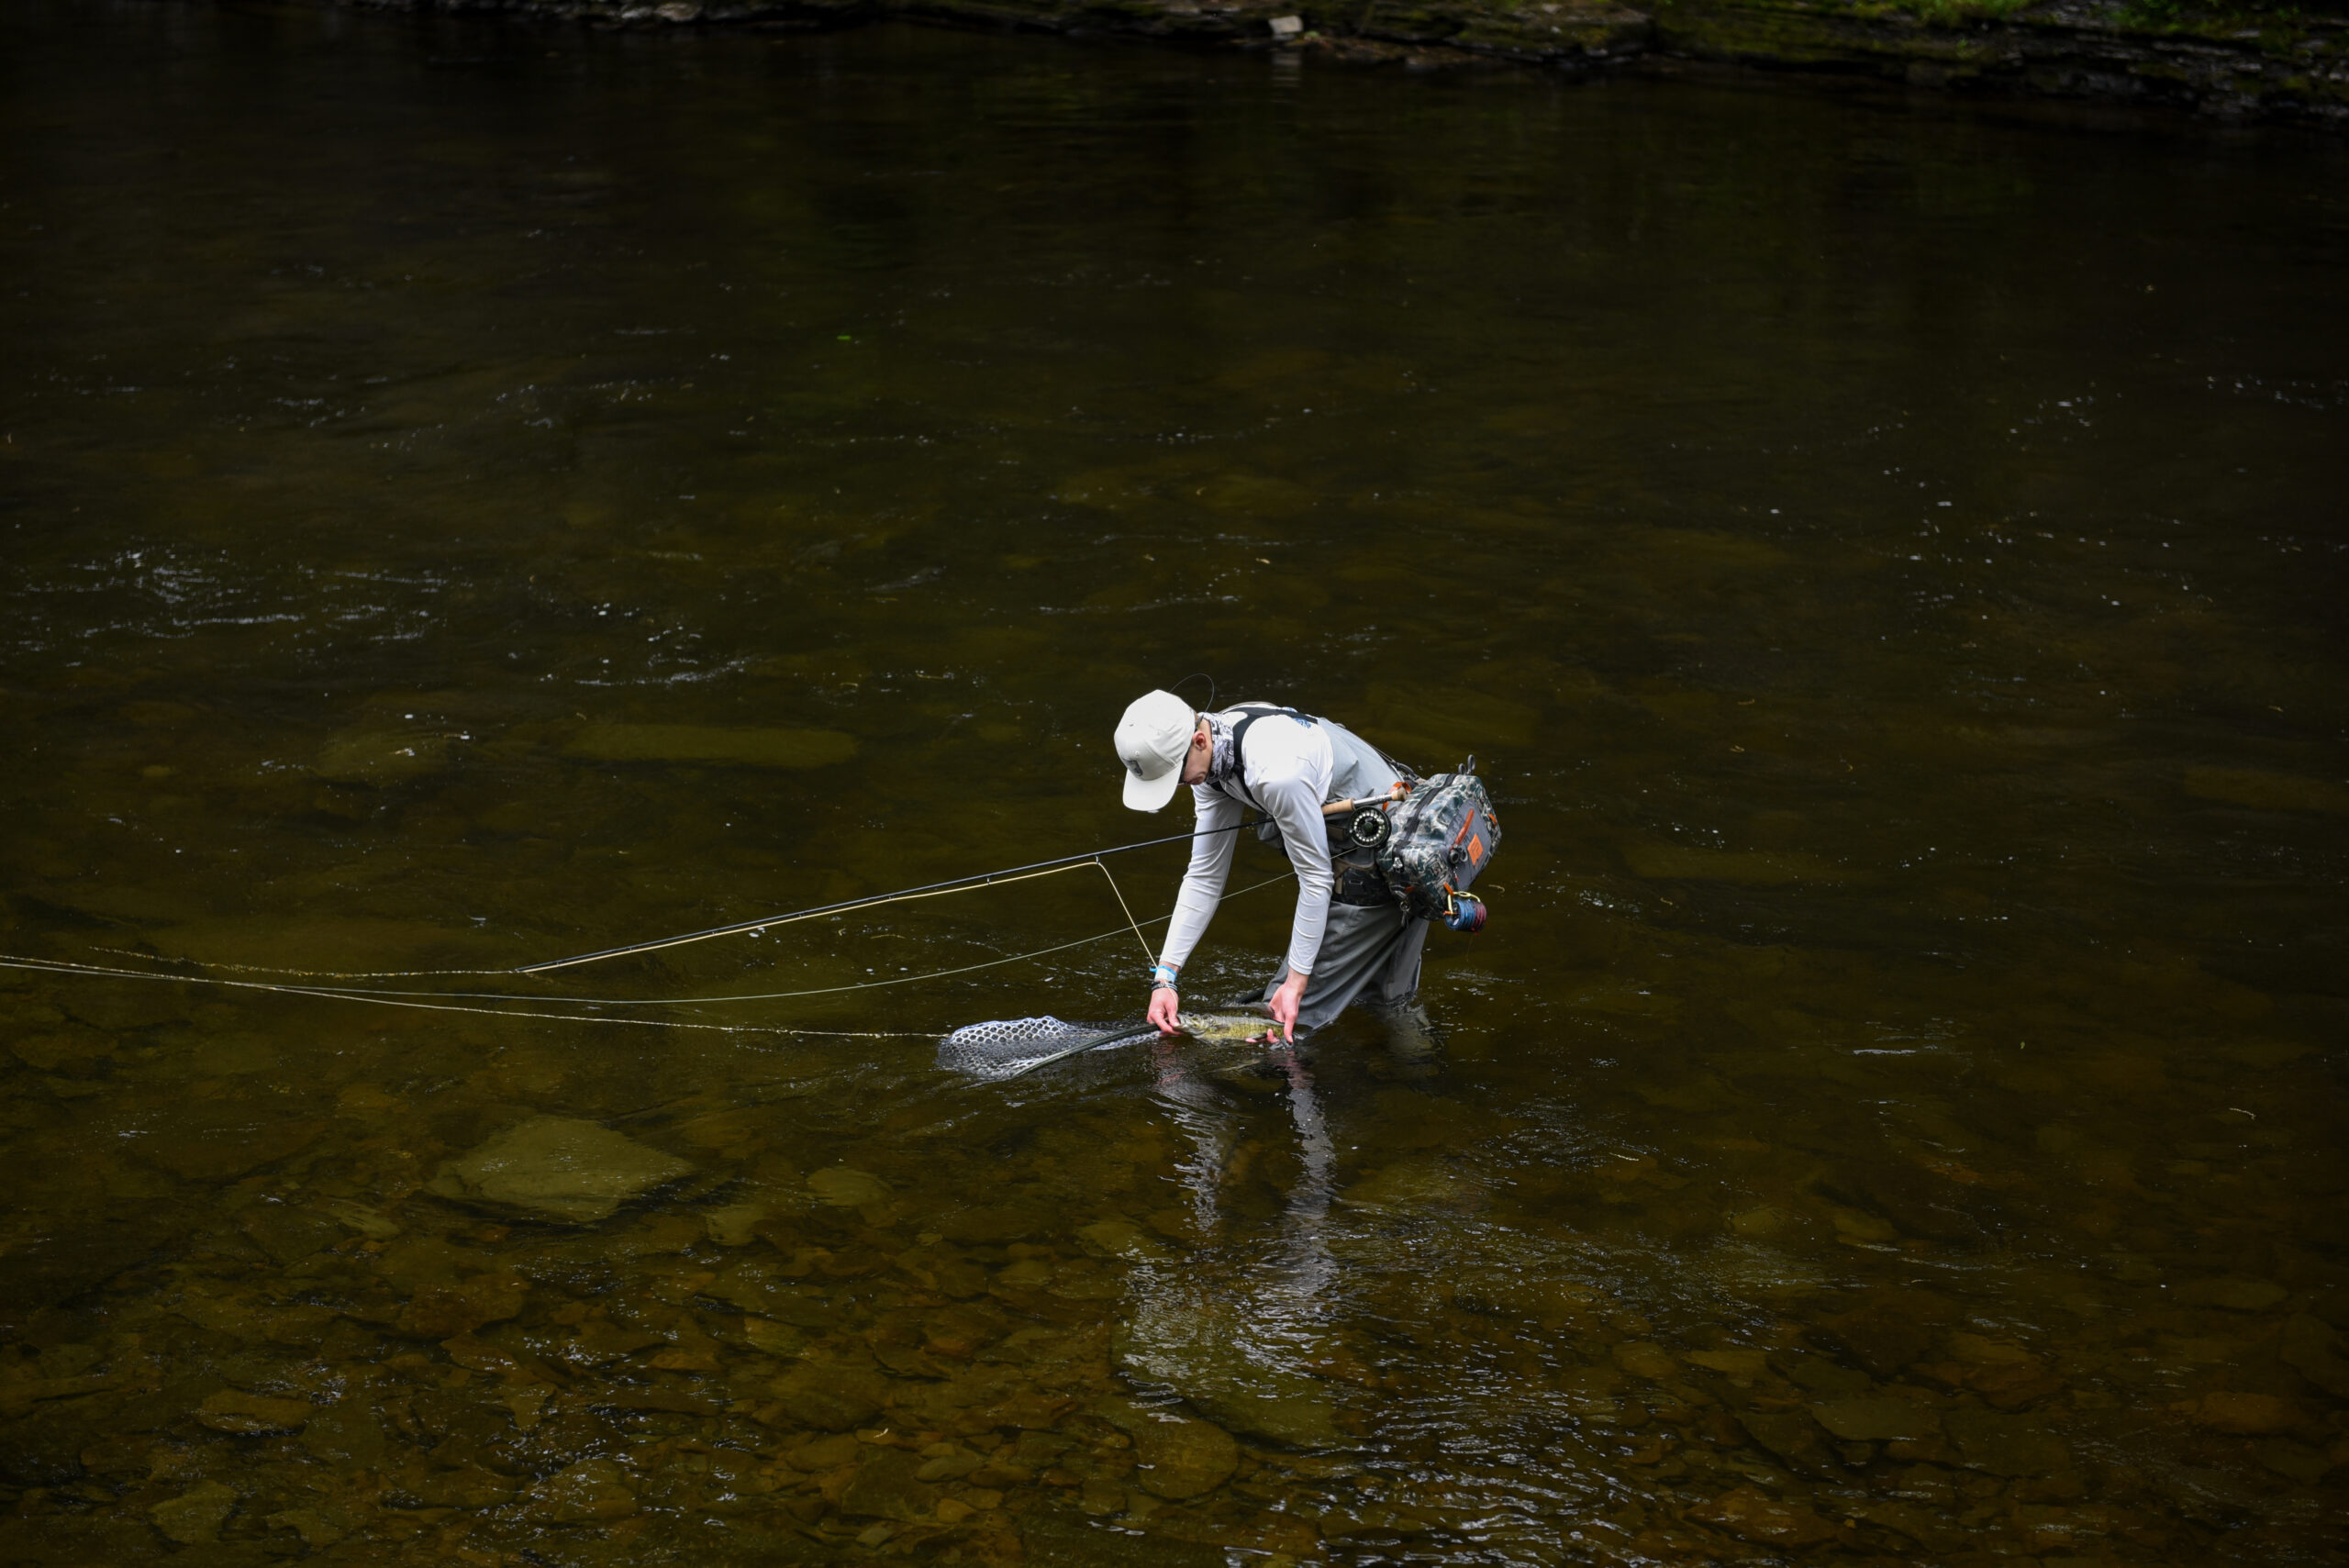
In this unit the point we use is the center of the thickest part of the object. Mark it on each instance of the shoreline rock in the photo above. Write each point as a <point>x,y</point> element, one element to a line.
<point>2228,66</point>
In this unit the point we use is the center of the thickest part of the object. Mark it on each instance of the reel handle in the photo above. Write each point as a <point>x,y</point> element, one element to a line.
<point>1463,912</point>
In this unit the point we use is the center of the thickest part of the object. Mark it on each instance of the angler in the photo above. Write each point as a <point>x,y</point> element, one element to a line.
<point>1378,850</point>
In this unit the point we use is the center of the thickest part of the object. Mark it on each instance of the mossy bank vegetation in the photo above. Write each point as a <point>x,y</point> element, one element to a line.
<point>2228,61</point>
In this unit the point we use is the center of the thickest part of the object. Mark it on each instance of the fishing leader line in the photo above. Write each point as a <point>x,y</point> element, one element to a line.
<point>102,971</point>
<point>969,883</point>
<point>929,890</point>
<point>1132,924</point>
<point>446,1000</point>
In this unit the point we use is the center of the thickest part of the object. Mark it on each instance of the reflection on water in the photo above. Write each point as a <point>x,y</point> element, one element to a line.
<point>478,495</point>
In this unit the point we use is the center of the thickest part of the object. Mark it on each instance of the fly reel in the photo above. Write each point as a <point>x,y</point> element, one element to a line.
<point>1367,827</point>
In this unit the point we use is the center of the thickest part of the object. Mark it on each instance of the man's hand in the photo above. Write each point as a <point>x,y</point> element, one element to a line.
<point>1163,1005</point>
<point>1285,1004</point>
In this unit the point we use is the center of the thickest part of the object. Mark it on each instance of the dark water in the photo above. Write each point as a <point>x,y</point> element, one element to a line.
<point>1886,557</point>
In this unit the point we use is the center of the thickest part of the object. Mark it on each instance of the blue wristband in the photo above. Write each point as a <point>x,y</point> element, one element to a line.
<point>1161,974</point>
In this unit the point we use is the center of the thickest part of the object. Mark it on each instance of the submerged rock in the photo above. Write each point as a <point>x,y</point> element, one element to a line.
<point>2296,1461</point>
<point>845,1188</point>
<point>991,1225</point>
<point>1752,1515</point>
<point>1644,1359</point>
<point>216,1140</point>
<point>1890,1329</point>
<point>940,1269</point>
<point>1922,1203</point>
<point>1200,1353</point>
<point>830,1399</point>
<point>346,1433</point>
<point>232,1411</point>
<point>369,1222</point>
<point>2252,1415</point>
<point>317,1528</point>
<point>1819,1375</point>
<point>2309,1344</point>
<point>1178,1457</point>
<point>439,1312</point>
<point>194,1517</point>
<point>2006,1445</point>
<point>1409,1184</point>
<point>1793,1438</point>
<point>68,1048</point>
<point>1925,1527</point>
<point>1525,1287</point>
<point>1877,1420</point>
<point>42,1270</point>
<point>559,1167</point>
<point>466,1486</point>
<point>1050,1540</point>
<point>770,1338</point>
<point>371,756</point>
<point>2234,1294</point>
<point>734,1224</point>
<point>824,1453</point>
<point>287,1234</point>
<point>1746,1364</point>
<point>888,1486</point>
<point>592,1490</point>
<point>1118,1239</point>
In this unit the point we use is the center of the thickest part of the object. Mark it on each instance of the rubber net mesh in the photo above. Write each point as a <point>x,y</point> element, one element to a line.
<point>1005,1048</point>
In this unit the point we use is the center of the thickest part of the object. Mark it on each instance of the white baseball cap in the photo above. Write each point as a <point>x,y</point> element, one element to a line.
<point>1152,738</point>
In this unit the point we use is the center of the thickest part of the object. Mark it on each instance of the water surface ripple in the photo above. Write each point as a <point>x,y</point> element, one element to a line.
<point>479,495</point>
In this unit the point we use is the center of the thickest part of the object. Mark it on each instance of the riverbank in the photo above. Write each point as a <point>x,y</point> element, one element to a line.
<point>2227,63</point>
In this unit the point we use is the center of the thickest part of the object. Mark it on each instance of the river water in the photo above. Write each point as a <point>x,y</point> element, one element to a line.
<point>476,494</point>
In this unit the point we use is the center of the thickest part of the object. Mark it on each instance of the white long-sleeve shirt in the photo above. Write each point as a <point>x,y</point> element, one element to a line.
<point>1285,771</point>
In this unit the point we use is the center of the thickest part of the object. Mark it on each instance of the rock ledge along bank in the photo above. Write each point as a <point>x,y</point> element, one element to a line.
<point>2265,60</point>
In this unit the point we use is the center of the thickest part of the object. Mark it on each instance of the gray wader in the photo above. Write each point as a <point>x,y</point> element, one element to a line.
<point>1370,954</point>
<point>1370,951</point>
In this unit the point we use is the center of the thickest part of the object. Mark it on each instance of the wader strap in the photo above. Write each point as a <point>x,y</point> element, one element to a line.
<point>1350,883</point>
<point>1253,712</point>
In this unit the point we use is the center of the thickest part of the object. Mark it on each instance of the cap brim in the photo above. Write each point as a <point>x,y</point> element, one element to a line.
<point>1150,795</point>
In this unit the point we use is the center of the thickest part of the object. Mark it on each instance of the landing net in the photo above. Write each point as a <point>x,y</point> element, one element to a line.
<point>1006,1048</point>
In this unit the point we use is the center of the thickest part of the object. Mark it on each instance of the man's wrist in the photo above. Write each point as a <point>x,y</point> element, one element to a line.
<point>1163,974</point>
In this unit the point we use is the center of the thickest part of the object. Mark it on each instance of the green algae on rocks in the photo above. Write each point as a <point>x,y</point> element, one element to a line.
<point>558,1167</point>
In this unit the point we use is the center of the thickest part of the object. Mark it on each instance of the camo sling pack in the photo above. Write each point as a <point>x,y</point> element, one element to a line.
<point>1440,837</point>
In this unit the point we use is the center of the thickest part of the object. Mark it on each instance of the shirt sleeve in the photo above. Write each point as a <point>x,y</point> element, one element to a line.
<point>1294,801</point>
<point>1203,882</point>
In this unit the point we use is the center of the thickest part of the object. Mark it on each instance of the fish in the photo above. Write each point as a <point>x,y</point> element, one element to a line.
<point>1235,1028</point>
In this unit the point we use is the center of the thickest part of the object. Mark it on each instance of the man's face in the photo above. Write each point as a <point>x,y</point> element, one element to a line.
<point>1195,759</point>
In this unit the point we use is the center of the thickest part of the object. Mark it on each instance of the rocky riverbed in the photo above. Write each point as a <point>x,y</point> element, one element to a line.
<point>486,1306</point>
